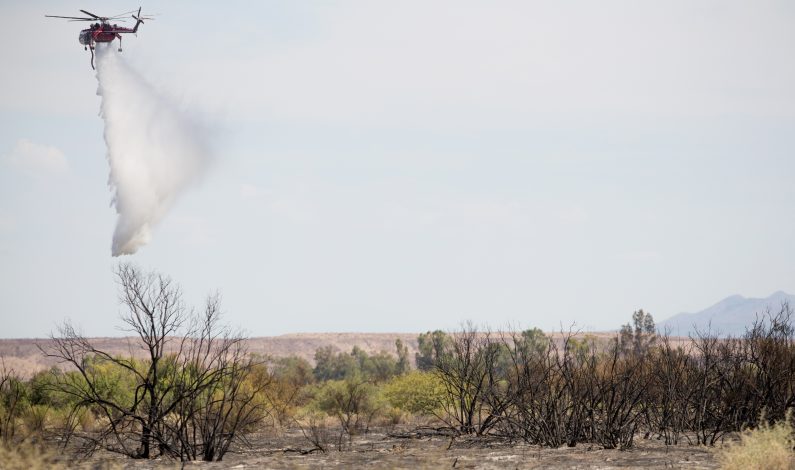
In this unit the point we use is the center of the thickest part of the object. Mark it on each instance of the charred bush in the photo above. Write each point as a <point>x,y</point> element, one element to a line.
<point>574,390</point>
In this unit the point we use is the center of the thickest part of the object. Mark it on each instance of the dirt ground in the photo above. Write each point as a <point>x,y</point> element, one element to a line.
<point>385,450</point>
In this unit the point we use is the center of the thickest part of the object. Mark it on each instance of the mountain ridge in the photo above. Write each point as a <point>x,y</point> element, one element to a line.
<point>728,317</point>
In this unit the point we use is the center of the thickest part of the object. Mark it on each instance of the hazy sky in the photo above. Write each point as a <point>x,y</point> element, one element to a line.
<point>405,166</point>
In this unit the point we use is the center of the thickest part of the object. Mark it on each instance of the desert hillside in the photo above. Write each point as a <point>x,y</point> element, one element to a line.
<point>25,357</point>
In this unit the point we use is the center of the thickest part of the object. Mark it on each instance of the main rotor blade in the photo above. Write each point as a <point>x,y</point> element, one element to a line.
<point>70,18</point>
<point>91,14</point>
<point>123,14</point>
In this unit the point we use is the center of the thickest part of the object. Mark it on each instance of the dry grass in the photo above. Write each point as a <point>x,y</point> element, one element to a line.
<point>35,456</point>
<point>29,457</point>
<point>767,447</point>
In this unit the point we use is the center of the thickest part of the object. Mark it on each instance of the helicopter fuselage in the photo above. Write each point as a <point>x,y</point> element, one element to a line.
<point>104,33</point>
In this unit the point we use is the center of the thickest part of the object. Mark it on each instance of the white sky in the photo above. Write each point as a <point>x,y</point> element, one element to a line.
<point>405,166</point>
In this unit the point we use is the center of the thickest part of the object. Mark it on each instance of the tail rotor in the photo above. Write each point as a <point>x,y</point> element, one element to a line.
<point>140,19</point>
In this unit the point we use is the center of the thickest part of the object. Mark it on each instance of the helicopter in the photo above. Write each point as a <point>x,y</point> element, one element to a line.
<point>102,30</point>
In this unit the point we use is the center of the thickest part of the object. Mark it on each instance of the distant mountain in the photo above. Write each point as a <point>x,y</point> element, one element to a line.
<point>730,316</point>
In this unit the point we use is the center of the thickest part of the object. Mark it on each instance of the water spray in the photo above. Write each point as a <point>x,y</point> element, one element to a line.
<point>155,150</point>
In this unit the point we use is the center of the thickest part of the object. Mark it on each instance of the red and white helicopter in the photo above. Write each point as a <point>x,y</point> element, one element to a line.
<point>102,30</point>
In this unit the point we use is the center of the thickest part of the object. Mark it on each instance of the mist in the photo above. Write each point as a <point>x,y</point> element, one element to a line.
<point>155,150</point>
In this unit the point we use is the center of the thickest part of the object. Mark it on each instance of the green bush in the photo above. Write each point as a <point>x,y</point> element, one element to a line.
<point>419,393</point>
<point>35,418</point>
<point>353,401</point>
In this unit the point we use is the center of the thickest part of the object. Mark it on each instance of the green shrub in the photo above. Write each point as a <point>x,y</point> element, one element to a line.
<point>419,393</point>
<point>353,401</point>
<point>35,418</point>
